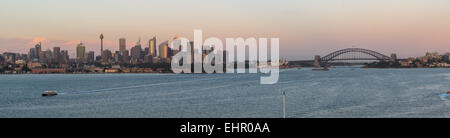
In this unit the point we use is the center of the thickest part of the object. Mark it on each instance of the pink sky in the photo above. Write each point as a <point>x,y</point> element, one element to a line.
<point>305,27</point>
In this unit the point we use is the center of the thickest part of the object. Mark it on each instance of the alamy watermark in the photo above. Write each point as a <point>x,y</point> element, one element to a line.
<point>222,59</point>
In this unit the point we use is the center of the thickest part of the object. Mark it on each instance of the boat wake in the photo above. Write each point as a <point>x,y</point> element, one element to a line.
<point>139,86</point>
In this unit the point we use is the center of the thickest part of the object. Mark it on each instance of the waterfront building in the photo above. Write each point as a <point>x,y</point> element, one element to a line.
<point>445,58</point>
<point>112,70</point>
<point>405,63</point>
<point>48,71</point>
<point>424,60</point>
<point>433,56</point>
<point>33,65</point>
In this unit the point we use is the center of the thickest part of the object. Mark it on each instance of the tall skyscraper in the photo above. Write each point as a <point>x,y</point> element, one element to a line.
<point>101,44</point>
<point>126,56</point>
<point>117,56</point>
<point>136,52</point>
<point>57,55</point>
<point>152,46</point>
<point>38,49</point>
<point>164,51</point>
<point>56,51</point>
<point>65,56</point>
<point>91,57</point>
<point>32,55</point>
<point>81,50</point>
<point>122,45</point>
<point>146,52</point>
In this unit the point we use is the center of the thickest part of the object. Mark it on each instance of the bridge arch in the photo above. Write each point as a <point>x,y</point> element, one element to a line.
<point>333,56</point>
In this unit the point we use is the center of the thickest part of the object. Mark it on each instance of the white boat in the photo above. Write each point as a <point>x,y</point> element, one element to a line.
<point>49,93</point>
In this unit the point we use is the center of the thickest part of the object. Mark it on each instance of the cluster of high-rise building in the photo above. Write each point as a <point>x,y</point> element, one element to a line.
<point>48,57</point>
<point>138,53</point>
<point>36,58</point>
<point>148,53</point>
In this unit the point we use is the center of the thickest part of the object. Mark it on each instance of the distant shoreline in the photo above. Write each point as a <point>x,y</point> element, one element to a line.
<point>76,73</point>
<point>82,73</point>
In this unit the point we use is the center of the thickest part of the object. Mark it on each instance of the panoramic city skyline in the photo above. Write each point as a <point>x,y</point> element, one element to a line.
<point>305,28</point>
<point>223,67</point>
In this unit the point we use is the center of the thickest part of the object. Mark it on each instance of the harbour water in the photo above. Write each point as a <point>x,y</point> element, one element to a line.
<point>340,92</point>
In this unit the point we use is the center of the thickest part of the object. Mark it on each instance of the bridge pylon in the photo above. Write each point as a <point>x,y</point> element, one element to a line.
<point>317,61</point>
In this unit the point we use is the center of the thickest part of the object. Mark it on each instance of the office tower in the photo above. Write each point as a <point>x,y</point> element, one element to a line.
<point>101,44</point>
<point>136,53</point>
<point>164,51</point>
<point>56,52</point>
<point>126,56</point>
<point>91,57</point>
<point>57,55</point>
<point>152,46</point>
<point>122,45</point>
<point>10,57</point>
<point>38,48</point>
<point>49,53</point>
<point>2,59</point>
<point>106,56</point>
<point>34,57</point>
<point>45,57</point>
<point>81,50</point>
<point>148,59</point>
<point>65,56</point>
<point>146,51</point>
<point>117,56</point>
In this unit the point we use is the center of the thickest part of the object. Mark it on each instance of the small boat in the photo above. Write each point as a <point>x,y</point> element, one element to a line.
<point>448,92</point>
<point>324,69</point>
<point>49,93</point>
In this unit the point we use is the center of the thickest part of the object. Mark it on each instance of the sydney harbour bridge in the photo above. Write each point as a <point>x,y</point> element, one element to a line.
<point>345,56</point>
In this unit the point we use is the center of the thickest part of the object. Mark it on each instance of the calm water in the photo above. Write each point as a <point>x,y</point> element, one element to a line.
<point>340,92</point>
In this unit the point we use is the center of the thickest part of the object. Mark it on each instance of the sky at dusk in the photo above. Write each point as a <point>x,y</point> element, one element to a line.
<point>305,27</point>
